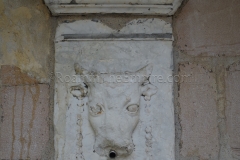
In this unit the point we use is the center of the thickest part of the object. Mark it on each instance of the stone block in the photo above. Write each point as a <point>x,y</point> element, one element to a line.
<point>198,115</point>
<point>209,28</point>
<point>233,108</point>
<point>24,121</point>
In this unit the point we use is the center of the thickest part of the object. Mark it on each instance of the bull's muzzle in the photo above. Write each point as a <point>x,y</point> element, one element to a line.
<point>112,149</point>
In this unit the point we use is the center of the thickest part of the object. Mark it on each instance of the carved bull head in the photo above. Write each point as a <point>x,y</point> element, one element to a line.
<point>113,106</point>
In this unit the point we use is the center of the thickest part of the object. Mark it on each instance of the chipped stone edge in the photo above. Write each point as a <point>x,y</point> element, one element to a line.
<point>176,5</point>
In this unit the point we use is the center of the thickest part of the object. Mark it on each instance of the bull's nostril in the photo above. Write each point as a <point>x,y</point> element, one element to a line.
<point>112,154</point>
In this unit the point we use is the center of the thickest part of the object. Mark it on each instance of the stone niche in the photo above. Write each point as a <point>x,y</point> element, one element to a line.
<point>113,91</point>
<point>145,7</point>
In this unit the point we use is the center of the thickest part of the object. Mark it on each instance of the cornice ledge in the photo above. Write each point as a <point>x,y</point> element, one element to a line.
<point>64,7</point>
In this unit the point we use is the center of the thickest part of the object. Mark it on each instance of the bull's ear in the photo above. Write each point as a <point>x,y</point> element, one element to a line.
<point>148,90</point>
<point>80,91</point>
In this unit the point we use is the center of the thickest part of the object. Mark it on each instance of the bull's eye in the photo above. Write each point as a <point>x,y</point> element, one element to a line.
<point>133,108</point>
<point>96,110</point>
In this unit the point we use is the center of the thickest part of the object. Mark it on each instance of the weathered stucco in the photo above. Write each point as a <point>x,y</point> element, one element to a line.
<point>209,27</point>
<point>25,30</point>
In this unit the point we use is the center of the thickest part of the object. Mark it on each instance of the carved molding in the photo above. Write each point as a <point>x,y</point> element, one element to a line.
<point>117,37</point>
<point>144,7</point>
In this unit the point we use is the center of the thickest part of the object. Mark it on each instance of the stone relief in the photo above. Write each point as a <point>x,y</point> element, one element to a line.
<point>109,113</point>
<point>113,107</point>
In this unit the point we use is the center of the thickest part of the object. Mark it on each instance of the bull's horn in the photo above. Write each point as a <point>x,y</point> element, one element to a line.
<point>79,70</point>
<point>145,72</point>
<point>87,76</point>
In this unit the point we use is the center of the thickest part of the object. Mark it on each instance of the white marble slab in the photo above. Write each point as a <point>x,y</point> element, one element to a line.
<point>145,7</point>
<point>154,135</point>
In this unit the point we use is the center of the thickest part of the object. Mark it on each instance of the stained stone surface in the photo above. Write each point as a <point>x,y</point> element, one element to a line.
<point>24,121</point>
<point>153,137</point>
<point>12,76</point>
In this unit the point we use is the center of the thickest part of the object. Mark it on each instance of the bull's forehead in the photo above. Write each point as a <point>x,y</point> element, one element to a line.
<point>118,92</point>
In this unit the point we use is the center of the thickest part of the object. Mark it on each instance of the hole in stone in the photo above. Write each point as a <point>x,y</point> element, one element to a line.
<point>112,154</point>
